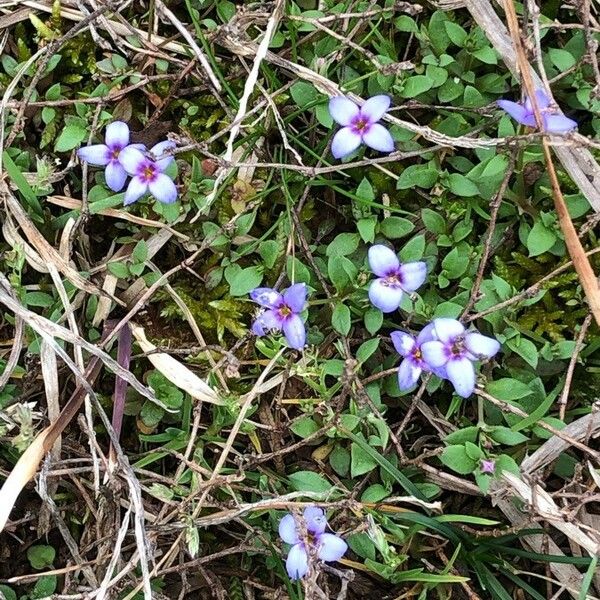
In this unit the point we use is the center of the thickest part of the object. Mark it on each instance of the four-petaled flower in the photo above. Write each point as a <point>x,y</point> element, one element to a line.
<point>487,465</point>
<point>283,312</point>
<point>328,547</point>
<point>148,175</point>
<point>109,154</point>
<point>552,118</point>
<point>393,279</point>
<point>359,125</point>
<point>456,349</point>
<point>414,364</point>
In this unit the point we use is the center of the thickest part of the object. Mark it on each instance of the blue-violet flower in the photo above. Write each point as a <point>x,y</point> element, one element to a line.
<point>456,349</point>
<point>282,312</point>
<point>359,125</point>
<point>148,175</point>
<point>393,279</point>
<point>413,365</point>
<point>109,154</point>
<point>329,547</point>
<point>487,465</point>
<point>552,118</point>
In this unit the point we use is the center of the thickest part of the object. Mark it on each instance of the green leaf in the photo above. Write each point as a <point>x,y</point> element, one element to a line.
<point>341,319</point>
<point>396,227</point>
<point>366,229</point>
<point>486,55</point>
<point>9,594</point>
<point>309,481</point>
<point>41,557</point>
<point>44,587</point>
<point>15,175</point>
<point>455,263</point>
<point>269,251</point>
<point>118,269</point>
<point>343,244</point>
<point>242,281</point>
<point>365,190</point>
<point>460,436</point>
<point>361,462</point>
<point>415,85</point>
<point>304,426</point>
<point>339,459</point>
<point>433,221</point>
<point>373,319</point>
<point>366,349</point>
<point>70,137</point>
<point>456,33</point>
<point>508,389</point>
<point>506,436</point>
<point>374,493</point>
<point>422,176</point>
<point>461,186</point>
<point>561,59</point>
<point>304,94</point>
<point>540,239</point>
<point>525,348</point>
<point>457,459</point>
<point>140,252</point>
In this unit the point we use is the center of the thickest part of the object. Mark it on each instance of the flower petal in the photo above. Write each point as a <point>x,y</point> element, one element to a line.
<point>295,297</point>
<point>558,123</point>
<point>517,111</point>
<point>447,329</point>
<point>163,189</point>
<point>343,110</point>
<point>374,108</point>
<point>297,562</point>
<point>542,100</point>
<point>115,176</point>
<point>117,134</point>
<point>315,518</point>
<point>378,138</point>
<point>408,374</point>
<point>135,190</point>
<point>331,547</point>
<point>403,342</point>
<point>265,322</point>
<point>132,159</point>
<point>434,354</point>
<point>294,331</point>
<point>98,154</point>
<point>385,298</point>
<point>287,530</point>
<point>480,345</point>
<point>412,275</point>
<point>266,297</point>
<point>382,260</point>
<point>427,334</point>
<point>160,149</point>
<point>462,375</point>
<point>345,141</point>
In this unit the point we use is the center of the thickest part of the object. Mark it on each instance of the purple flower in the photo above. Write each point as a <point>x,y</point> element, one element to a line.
<point>148,175</point>
<point>109,154</point>
<point>487,465</point>
<point>393,279</point>
<point>553,119</point>
<point>409,347</point>
<point>456,349</point>
<point>329,547</point>
<point>360,125</point>
<point>414,364</point>
<point>283,312</point>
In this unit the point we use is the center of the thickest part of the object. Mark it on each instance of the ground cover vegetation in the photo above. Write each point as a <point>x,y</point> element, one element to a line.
<point>299,299</point>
